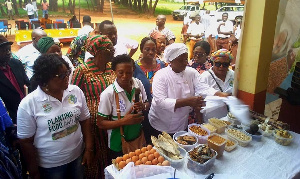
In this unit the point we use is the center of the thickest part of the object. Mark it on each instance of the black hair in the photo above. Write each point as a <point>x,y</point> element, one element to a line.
<point>144,40</point>
<point>225,13</point>
<point>105,22</point>
<point>121,59</point>
<point>203,44</point>
<point>197,15</point>
<point>46,67</point>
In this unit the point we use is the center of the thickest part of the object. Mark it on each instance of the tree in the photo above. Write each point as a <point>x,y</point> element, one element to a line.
<point>153,8</point>
<point>53,5</point>
<point>15,7</point>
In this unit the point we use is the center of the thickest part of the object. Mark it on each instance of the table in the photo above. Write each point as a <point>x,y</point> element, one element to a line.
<point>64,35</point>
<point>263,159</point>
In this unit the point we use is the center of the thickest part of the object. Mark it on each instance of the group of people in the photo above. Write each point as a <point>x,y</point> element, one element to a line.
<point>32,9</point>
<point>69,125</point>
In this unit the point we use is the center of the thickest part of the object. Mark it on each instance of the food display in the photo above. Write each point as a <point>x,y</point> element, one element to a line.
<point>266,129</point>
<point>283,137</point>
<point>219,124</point>
<point>201,159</point>
<point>146,156</point>
<point>217,143</point>
<point>264,119</point>
<point>242,138</point>
<point>253,130</point>
<point>167,147</point>
<point>201,133</point>
<point>210,127</point>
<point>230,145</point>
<point>186,140</point>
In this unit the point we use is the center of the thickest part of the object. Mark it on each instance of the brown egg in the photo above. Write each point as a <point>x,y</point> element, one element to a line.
<point>155,161</point>
<point>151,157</point>
<point>138,162</point>
<point>166,163</point>
<point>144,149</point>
<point>149,147</point>
<point>138,152</point>
<point>144,160</point>
<point>125,157</point>
<point>159,164</point>
<point>161,159</point>
<point>135,158</point>
<point>156,154</point>
<point>119,159</point>
<point>142,155</point>
<point>148,163</point>
<point>128,160</point>
<point>147,153</point>
<point>152,151</point>
<point>122,164</point>
<point>131,154</point>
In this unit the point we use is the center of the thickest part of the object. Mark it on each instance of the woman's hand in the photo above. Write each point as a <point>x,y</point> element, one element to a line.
<point>87,157</point>
<point>138,106</point>
<point>130,119</point>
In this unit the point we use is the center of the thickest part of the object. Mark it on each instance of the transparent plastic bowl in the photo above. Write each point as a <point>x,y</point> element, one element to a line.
<point>218,147</point>
<point>220,129</point>
<point>175,163</point>
<point>201,139</point>
<point>186,147</point>
<point>198,167</point>
<point>241,142</point>
<point>281,140</point>
<point>230,148</point>
<point>211,132</point>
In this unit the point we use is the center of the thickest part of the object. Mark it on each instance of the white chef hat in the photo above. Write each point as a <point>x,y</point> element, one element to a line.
<point>174,50</point>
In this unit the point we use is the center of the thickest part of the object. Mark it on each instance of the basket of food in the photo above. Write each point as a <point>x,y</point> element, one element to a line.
<point>283,137</point>
<point>219,124</point>
<point>200,132</point>
<point>167,148</point>
<point>185,140</point>
<point>201,158</point>
<point>212,129</point>
<point>242,137</point>
<point>217,142</point>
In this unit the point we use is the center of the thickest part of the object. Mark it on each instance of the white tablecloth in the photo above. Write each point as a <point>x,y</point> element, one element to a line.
<point>259,160</point>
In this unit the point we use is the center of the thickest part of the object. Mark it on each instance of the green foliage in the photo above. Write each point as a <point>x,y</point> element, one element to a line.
<point>166,7</point>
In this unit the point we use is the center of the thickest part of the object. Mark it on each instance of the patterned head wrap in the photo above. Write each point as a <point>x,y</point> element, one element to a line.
<point>157,34</point>
<point>174,50</point>
<point>221,53</point>
<point>44,44</point>
<point>96,43</point>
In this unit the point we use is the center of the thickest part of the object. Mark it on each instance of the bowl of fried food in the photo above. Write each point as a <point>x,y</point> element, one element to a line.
<point>283,137</point>
<point>185,140</point>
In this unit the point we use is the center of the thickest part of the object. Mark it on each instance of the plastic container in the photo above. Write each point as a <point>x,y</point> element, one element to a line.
<point>241,142</point>
<point>218,147</point>
<point>175,163</point>
<point>220,128</point>
<point>214,129</point>
<point>282,140</point>
<point>230,148</point>
<point>201,139</point>
<point>201,168</point>
<point>186,147</point>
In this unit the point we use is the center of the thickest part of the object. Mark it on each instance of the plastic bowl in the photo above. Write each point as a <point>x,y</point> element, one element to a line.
<point>239,136</point>
<point>212,129</point>
<point>201,139</point>
<point>230,148</point>
<point>186,147</point>
<point>198,167</point>
<point>220,128</point>
<point>175,163</point>
<point>282,140</point>
<point>218,147</point>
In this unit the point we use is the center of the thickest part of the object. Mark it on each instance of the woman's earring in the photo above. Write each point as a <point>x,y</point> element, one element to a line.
<point>47,88</point>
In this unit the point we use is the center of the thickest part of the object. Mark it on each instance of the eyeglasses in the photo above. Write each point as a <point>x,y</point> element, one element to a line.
<point>200,54</point>
<point>225,64</point>
<point>64,75</point>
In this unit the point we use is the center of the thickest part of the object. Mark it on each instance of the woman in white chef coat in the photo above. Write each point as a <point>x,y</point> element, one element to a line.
<point>174,89</point>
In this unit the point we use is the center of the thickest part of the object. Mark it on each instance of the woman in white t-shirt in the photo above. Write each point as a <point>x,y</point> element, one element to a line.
<point>53,123</point>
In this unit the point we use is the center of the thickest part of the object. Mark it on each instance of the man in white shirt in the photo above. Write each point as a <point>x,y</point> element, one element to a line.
<point>86,29</point>
<point>160,26</point>
<point>30,10</point>
<point>176,91</point>
<point>206,19</point>
<point>9,9</point>
<point>196,33</point>
<point>225,29</point>
<point>186,22</point>
<point>29,53</point>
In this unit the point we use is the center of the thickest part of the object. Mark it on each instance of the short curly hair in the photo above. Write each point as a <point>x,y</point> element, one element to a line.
<point>144,40</point>
<point>46,67</point>
<point>121,59</point>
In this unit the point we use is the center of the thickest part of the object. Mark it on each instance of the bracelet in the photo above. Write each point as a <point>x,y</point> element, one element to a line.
<point>145,107</point>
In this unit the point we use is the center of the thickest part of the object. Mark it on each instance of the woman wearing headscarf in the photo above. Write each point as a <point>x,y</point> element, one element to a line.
<point>53,123</point>
<point>176,90</point>
<point>93,77</point>
<point>200,60</point>
<point>220,77</point>
<point>161,41</point>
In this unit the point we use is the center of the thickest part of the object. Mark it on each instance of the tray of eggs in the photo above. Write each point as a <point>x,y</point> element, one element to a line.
<point>144,156</point>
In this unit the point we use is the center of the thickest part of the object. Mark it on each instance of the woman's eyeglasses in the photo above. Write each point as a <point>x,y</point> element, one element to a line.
<point>64,75</point>
<point>225,64</point>
<point>199,54</point>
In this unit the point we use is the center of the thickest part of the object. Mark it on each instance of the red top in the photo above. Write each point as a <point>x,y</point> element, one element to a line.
<point>11,77</point>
